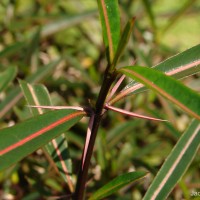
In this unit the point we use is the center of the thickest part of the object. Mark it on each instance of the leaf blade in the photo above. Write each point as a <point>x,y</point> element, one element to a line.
<point>168,87</point>
<point>176,164</point>
<point>124,40</point>
<point>18,141</point>
<point>179,66</point>
<point>6,77</point>
<point>110,20</point>
<point>116,184</point>
<point>58,147</point>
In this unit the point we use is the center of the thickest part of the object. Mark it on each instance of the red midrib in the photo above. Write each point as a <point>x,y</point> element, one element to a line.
<point>40,132</point>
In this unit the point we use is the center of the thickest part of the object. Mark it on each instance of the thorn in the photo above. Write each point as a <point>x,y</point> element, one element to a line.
<point>125,112</point>
<point>57,107</point>
<point>89,130</point>
<point>115,87</point>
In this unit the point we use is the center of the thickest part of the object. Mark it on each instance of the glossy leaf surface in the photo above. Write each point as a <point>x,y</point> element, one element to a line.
<point>179,66</point>
<point>110,21</point>
<point>20,140</point>
<point>167,86</point>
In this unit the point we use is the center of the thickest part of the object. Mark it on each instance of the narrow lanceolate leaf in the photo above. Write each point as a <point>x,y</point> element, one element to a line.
<point>176,164</point>
<point>167,86</point>
<point>15,95</point>
<point>124,40</point>
<point>182,65</point>
<point>110,21</point>
<point>6,77</point>
<point>58,147</point>
<point>20,140</point>
<point>179,66</point>
<point>116,184</point>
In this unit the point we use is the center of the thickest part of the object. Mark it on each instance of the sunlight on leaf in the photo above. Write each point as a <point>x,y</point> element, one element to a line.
<point>168,87</point>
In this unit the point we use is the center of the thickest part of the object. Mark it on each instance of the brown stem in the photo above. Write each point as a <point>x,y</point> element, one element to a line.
<point>83,171</point>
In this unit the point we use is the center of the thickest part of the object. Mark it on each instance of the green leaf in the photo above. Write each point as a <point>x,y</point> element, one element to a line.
<point>116,184</point>
<point>6,77</point>
<point>110,21</point>
<point>168,87</point>
<point>35,95</point>
<point>15,95</point>
<point>179,66</point>
<point>176,164</point>
<point>58,147</point>
<point>124,40</point>
<point>20,140</point>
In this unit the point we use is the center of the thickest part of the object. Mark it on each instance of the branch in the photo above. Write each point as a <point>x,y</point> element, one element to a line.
<point>98,113</point>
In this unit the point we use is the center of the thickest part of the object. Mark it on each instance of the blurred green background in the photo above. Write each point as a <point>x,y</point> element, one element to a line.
<point>34,33</point>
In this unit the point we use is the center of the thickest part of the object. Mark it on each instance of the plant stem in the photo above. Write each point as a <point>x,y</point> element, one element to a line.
<point>83,171</point>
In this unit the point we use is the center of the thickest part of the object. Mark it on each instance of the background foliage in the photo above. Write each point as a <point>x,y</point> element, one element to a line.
<point>66,35</point>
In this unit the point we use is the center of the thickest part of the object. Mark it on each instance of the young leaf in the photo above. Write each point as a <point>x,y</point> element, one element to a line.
<point>6,77</point>
<point>58,147</point>
<point>124,40</point>
<point>179,66</point>
<point>167,86</point>
<point>110,21</point>
<point>116,184</point>
<point>20,140</point>
<point>176,164</point>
